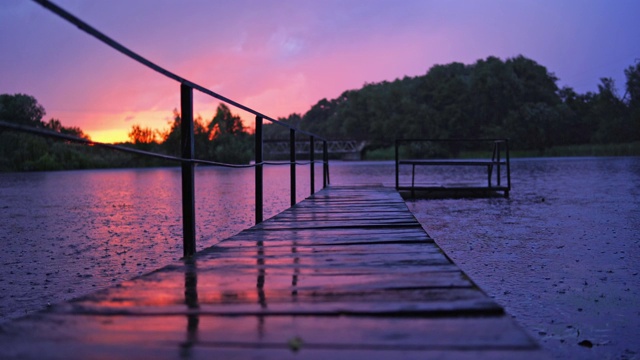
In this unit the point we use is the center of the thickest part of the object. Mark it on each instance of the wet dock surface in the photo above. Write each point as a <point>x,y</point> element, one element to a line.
<point>348,273</point>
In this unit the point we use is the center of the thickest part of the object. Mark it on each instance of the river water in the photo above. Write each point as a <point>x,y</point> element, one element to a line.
<point>562,254</point>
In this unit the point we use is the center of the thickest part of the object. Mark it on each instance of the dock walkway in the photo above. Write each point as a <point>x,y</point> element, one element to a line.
<point>348,273</point>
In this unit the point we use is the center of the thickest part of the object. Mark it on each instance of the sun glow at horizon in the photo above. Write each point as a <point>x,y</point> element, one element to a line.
<point>111,136</point>
<point>113,128</point>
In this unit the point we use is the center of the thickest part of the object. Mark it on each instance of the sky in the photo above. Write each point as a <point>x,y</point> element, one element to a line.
<point>283,56</point>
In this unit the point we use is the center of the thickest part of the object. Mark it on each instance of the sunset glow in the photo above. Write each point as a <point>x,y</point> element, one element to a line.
<point>282,58</point>
<point>111,130</point>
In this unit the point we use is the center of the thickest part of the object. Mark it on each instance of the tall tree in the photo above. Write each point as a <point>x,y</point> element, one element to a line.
<point>632,74</point>
<point>25,152</point>
<point>229,142</point>
<point>610,112</point>
<point>171,138</point>
<point>142,136</point>
<point>21,109</point>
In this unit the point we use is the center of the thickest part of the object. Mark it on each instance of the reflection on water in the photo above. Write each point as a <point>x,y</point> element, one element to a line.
<point>67,233</point>
<point>191,300</point>
<point>179,292</point>
<point>262,299</point>
<point>296,270</point>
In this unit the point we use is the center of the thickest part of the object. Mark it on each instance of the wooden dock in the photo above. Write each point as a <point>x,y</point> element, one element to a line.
<point>347,274</point>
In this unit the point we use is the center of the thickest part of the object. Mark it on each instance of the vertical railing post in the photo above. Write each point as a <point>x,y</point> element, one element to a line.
<point>397,165</point>
<point>506,148</point>
<point>312,172</point>
<point>259,173</point>
<point>187,152</point>
<point>292,159</point>
<point>325,164</point>
<point>499,145</point>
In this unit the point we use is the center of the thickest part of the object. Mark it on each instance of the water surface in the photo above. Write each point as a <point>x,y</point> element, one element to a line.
<point>561,254</point>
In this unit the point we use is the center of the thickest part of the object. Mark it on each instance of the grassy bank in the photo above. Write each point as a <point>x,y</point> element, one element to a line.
<point>626,149</point>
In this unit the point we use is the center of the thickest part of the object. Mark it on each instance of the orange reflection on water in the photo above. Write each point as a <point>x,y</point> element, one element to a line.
<point>241,277</point>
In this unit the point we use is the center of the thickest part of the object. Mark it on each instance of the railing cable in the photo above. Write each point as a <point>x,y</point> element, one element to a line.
<point>57,135</point>
<point>151,65</point>
<point>79,140</point>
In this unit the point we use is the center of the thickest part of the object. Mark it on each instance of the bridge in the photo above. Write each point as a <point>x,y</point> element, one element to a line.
<point>348,149</point>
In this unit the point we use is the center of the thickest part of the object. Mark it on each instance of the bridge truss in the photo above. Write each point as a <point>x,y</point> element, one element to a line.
<point>302,147</point>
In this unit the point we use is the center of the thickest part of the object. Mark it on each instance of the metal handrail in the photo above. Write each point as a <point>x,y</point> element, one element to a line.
<point>187,141</point>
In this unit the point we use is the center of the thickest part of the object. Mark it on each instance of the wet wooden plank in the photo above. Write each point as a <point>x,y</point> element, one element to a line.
<point>346,273</point>
<point>427,302</point>
<point>85,336</point>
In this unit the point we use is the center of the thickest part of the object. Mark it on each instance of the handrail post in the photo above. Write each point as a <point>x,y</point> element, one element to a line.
<point>499,145</point>
<point>397,165</point>
<point>187,152</point>
<point>506,148</point>
<point>495,160</point>
<point>259,173</point>
<point>312,173</point>
<point>325,164</point>
<point>328,172</point>
<point>292,159</point>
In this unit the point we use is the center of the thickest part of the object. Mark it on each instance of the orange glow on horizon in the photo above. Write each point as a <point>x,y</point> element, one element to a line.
<point>155,120</point>
<point>109,136</point>
<point>113,128</point>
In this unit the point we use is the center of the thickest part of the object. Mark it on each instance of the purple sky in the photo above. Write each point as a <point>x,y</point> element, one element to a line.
<point>282,56</point>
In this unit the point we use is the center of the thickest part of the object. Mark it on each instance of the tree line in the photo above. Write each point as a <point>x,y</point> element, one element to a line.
<point>222,139</point>
<point>516,98</point>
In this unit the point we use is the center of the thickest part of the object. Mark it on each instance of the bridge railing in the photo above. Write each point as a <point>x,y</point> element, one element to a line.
<point>279,147</point>
<point>187,158</point>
